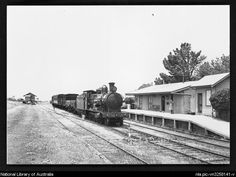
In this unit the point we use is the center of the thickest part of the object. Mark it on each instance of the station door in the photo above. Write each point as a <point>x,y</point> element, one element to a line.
<point>186,103</point>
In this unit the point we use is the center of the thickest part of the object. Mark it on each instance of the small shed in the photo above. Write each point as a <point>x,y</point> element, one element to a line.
<point>29,97</point>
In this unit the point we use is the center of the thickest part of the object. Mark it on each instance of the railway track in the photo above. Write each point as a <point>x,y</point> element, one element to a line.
<point>195,137</point>
<point>222,146</point>
<point>177,144</point>
<point>203,155</point>
<point>110,149</point>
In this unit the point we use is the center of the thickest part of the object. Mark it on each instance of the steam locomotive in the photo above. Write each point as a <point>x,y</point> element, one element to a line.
<point>102,105</point>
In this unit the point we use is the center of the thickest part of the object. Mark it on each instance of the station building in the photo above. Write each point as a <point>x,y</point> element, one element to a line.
<point>190,97</point>
<point>29,97</point>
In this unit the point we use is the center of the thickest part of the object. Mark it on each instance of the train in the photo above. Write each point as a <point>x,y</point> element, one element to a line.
<point>100,105</point>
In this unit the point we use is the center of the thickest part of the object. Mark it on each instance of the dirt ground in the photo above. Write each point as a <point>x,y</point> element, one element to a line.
<point>34,137</point>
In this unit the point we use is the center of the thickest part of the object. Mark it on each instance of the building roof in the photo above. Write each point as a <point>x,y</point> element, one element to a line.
<point>31,94</point>
<point>164,88</point>
<point>210,80</point>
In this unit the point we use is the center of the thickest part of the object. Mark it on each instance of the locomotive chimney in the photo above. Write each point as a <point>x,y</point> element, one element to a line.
<point>111,86</point>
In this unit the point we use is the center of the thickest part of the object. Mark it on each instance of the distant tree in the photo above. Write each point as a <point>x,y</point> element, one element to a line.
<point>158,81</point>
<point>20,99</point>
<point>221,65</point>
<point>164,79</point>
<point>181,64</point>
<point>204,70</point>
<point>145,85</point>
<point>13,98</point>
<point>217,66</point>
<point>129,100</point>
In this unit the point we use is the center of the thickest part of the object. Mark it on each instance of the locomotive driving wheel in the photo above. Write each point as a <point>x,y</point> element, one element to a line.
<point>121,123</point>
<point>107,122</point>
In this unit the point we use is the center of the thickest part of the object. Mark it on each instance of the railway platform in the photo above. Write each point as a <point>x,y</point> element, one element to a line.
<point>198,124</point>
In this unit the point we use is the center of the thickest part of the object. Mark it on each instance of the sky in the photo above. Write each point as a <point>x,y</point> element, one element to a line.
<point>68,49</point>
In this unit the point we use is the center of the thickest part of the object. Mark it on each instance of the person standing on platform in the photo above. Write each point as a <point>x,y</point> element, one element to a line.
<point>171,106</point>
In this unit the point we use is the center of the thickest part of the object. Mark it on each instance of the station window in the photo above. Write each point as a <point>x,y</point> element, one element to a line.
<point>140,101</point>
<point>150,102</point>
<point>208,95</point>
<point>136,99</point>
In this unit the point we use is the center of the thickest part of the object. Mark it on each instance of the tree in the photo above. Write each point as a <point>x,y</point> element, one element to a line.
<point>181,65</point>
<point>217,66</point>
<point>220,101</point>
<point>145,85</point>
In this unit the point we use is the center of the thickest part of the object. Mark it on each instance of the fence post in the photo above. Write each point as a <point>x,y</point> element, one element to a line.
<point>163,122</point>
<point>174,124</point>
<point>189,126</point>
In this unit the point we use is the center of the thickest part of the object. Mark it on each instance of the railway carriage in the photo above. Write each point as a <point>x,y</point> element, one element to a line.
<point>61,100</point>
<point>58,101</point>
<point>70,102</point>
<point>54,101</point>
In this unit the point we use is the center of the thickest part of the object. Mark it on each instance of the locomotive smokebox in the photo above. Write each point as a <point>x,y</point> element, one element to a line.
<point>112,87</point>
<point>113,101</point>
